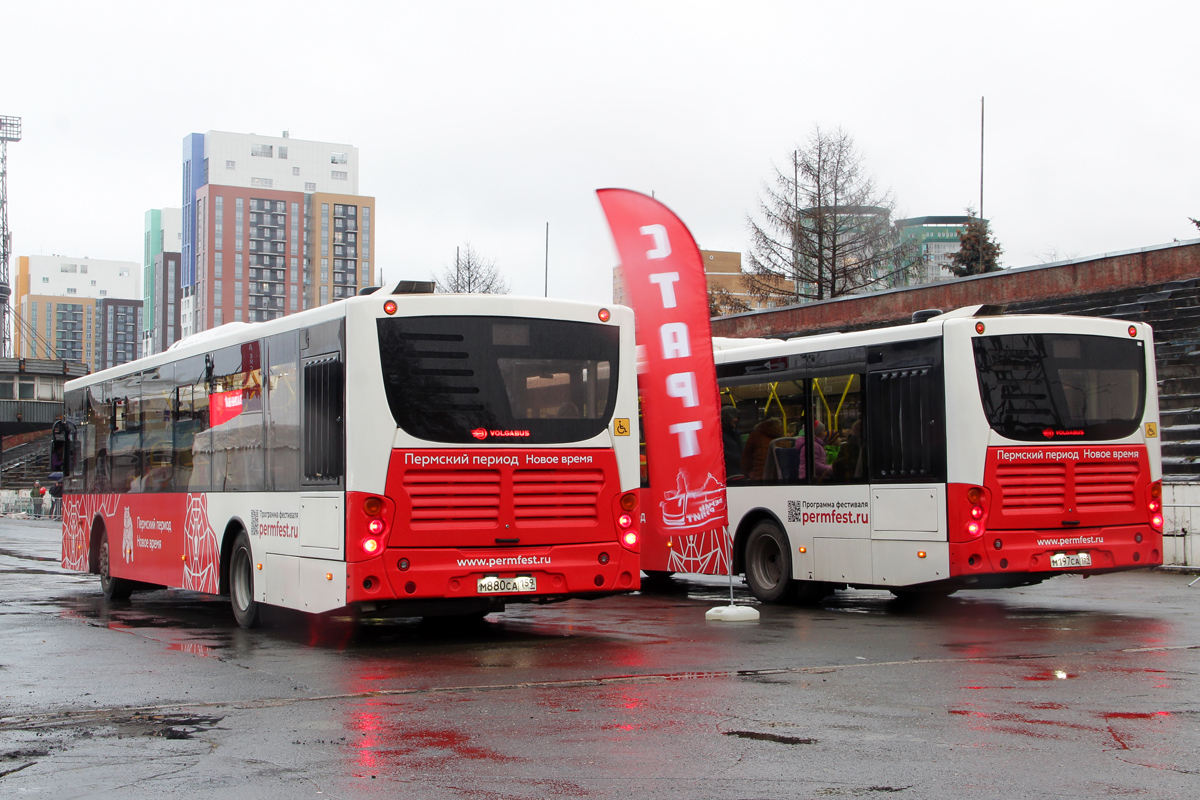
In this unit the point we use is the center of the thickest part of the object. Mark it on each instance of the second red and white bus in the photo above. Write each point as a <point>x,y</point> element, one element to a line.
<point>408,454</point>
<point>967,450</point>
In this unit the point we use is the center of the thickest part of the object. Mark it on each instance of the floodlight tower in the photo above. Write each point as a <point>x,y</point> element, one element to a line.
<point>10,131</point>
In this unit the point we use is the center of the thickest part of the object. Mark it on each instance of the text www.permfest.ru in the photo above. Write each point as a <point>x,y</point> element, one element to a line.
<point>506,561</point>
<point>1066,541</point>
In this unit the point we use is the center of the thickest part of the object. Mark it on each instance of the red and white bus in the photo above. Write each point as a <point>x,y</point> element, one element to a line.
<point>408,454</point>
<point>966,450</point>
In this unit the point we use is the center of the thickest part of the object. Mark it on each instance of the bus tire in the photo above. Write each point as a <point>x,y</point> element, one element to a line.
<point>769,564</point>
<point>241,582</point>
<point>113,588</point>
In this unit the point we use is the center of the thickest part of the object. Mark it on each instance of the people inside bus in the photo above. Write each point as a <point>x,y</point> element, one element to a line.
<point>847,466</point>
<point>758,444</point>
<point>732,443</point>
<point>821,466</point>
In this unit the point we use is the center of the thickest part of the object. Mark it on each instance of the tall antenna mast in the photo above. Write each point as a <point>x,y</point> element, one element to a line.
<point>10,131</point>
<point>982,224</point>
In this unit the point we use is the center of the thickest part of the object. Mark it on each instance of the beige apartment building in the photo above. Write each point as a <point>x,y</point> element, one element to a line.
<point>723,269</point>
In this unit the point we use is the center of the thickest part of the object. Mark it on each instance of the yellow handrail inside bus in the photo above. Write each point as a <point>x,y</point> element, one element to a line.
<point>837,415</point>
<point>727,392</point>
<point>774,395</point>
<point>824,402</point>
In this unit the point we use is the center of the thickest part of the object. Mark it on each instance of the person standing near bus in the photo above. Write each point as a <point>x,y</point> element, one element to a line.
<point>56,499</point>
<point>36,494</point>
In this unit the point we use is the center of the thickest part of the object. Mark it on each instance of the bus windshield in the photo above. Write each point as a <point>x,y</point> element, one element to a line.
<point>461,379</point>
<point>1041,387</point>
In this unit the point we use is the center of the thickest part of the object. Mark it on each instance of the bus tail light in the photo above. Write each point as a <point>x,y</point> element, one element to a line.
<point>368,520</point>
<point>968,507</point>
<point>977,512</point>
<point>1155,505</point>
<point>626,519</point>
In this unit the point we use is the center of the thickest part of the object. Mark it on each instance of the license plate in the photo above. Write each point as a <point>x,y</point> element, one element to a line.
<point>495,585</point>
<point>1061,560</point>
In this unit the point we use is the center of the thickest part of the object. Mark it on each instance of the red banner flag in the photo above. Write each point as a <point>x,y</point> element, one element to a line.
<point>665,282</point>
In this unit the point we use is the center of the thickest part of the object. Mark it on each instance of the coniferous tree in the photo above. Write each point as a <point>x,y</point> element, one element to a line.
<point>978,252</point>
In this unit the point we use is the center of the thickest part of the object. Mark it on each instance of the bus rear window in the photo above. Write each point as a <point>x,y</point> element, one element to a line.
<point>1061,387</point>
<point>460,380</point>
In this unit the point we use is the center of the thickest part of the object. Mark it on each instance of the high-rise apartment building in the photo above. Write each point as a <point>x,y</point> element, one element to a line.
<point>77,309</point>
<point>161,234</point>
<point>935,241</point>
<point>271,225</point>
<point>164,328</point>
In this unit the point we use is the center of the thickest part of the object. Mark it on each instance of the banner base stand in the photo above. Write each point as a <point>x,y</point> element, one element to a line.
<point>731,613</point>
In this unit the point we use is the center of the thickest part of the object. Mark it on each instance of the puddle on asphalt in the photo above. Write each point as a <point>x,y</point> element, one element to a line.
<point>770,737</point>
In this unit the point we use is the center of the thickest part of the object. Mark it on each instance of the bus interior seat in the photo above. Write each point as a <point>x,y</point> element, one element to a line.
<point>783,460</point>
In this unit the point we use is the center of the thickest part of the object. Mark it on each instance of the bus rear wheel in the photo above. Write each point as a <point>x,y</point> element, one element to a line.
<point>769,564</point>
<point>113,588</point>
<point>241,582</point>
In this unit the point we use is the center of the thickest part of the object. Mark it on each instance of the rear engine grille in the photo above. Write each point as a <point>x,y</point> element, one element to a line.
<point>461,499</point>
<point>1105,487</point>
<point>555,497</point>
<point>1032,488</point>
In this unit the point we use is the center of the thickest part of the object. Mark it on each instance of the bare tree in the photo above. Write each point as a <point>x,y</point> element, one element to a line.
<point>1052,254</point>
<point>721,301</point>
<point>826,230</point>
<point>471,273</point>
<point>1195,222</point>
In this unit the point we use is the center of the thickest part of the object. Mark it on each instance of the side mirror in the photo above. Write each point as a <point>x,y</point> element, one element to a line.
<point>60,448</point>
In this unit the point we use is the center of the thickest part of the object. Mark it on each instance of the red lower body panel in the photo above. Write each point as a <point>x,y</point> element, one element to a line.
<point>449,572</point>
<point>1109,548</point>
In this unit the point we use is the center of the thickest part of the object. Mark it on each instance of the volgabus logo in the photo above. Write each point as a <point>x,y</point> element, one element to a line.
<point>479,433</point>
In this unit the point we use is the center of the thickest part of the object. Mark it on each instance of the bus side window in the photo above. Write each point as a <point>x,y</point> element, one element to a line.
<point>192,438</point>
<point>283,412</point>
<point>125,442</point>
<point>157,450</point>
<point>75,404</point>
<point>769,417</point>
<point>235,411</point>
<point>906,425</point>
<point>323,423</point>
<point>97,423</point>
<point>839,404</point>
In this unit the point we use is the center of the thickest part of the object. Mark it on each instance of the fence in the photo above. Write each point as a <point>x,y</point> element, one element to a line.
<point>17,502</point>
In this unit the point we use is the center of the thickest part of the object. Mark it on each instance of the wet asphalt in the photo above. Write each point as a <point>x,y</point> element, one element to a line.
<point>1073,688</point>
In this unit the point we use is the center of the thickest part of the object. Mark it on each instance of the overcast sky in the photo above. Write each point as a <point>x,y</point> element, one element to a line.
<point>483,121</point>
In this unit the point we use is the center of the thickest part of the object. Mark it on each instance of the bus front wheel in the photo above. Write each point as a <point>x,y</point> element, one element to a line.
<point>113,588</point>
<point>241,582</point>
<point>769,564</point>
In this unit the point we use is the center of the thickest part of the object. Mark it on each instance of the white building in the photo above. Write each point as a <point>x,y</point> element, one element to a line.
<point>277,162</point>
<point>59,303</point>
